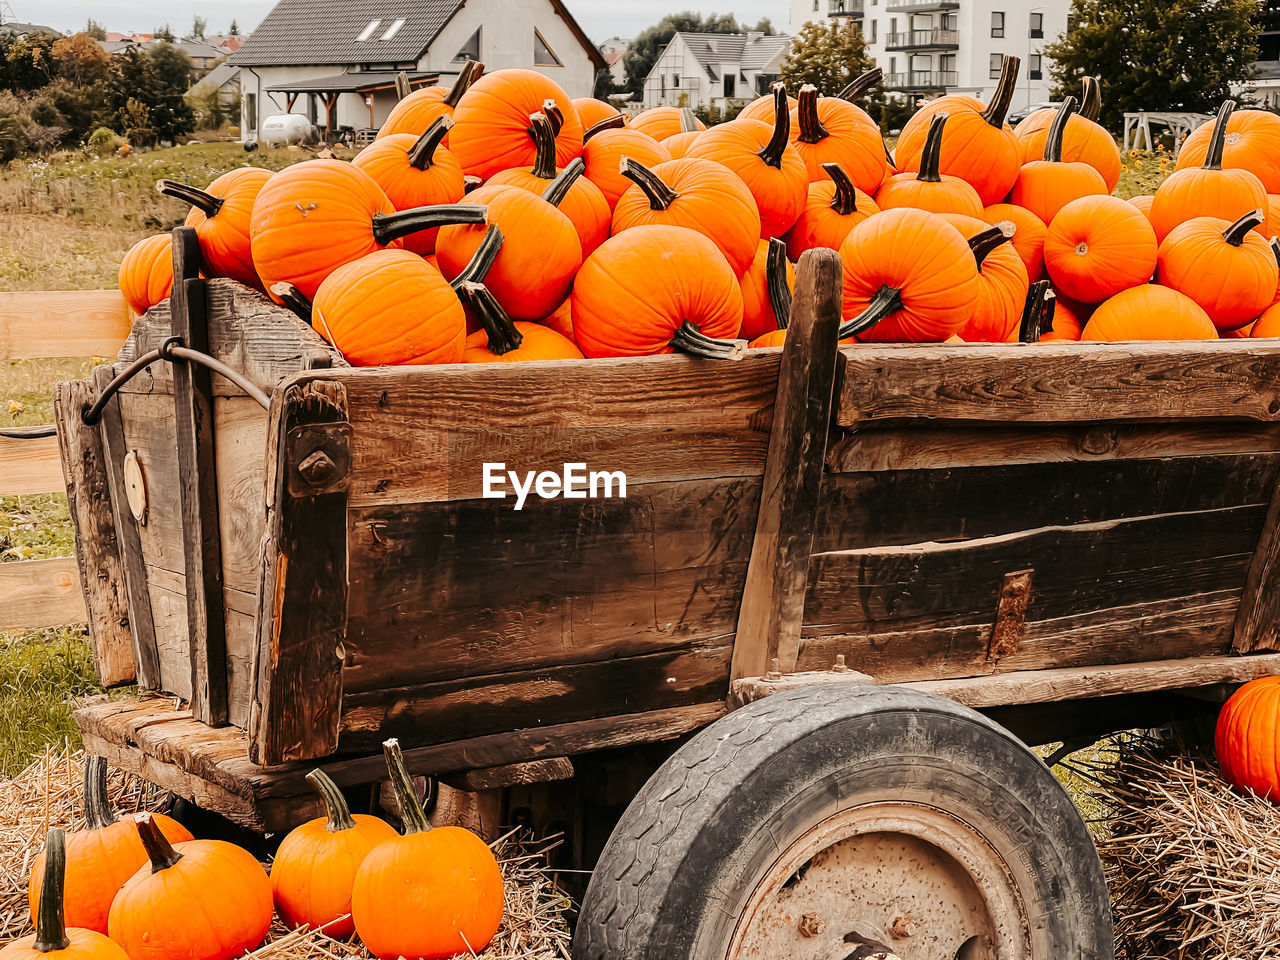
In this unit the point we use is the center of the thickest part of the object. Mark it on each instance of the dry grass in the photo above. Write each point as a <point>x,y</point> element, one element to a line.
<point>41,251</point>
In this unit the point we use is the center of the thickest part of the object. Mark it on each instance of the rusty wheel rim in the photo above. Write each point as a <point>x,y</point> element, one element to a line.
<point>910,877</point>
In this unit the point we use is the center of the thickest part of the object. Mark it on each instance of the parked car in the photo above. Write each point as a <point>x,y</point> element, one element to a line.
<point>1017,116</point>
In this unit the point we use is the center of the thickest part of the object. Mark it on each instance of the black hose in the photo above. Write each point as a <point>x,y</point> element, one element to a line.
<point>29,433</point>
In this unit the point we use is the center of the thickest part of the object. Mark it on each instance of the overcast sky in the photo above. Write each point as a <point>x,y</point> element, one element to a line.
<point>600,18</point>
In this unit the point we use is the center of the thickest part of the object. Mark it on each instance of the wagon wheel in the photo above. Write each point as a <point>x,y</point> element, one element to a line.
<point>849,822</point>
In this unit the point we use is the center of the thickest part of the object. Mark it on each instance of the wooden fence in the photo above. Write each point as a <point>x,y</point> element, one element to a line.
<point>35,326</point>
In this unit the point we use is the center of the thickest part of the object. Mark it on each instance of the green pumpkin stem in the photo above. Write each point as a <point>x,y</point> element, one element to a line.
<point>886,301</point>
<point>206,203</point>
<point>482,260</point>
<point>983,242</point>
<point>775,275</point>
<point>861,84</point>
<point>544,145</point>
<point>293,299</point>
<point>811,127</point>
<point>777,145</point>
<point>335,804</point>
<point>654,187</point>
<point>504,336</point>
<point>392,226</point>
<point>97,808</point>
<point>159,850</point>
<point>845,201</point>
<point>559,188</point>
<point>555,115</point>
<point>422,154</point>
<point>931,155</point>
<point>1213,156</point>
<point>51,926</point>
<point>1236,233</point>
<point>688,120</point>
<point>1037,313</point>
<point>608,123</point>
<point>411,812</point>
<point>1057,130</point>
<point>471,71</point>
<point>998,107</point>
<point>1090,98</point>
<point>689,339</point>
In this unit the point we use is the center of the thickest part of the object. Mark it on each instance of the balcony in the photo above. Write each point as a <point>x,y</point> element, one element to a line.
<point>920,80</point>
<point>934,39</point>
<point>847,8</point>
<point>920,6</point>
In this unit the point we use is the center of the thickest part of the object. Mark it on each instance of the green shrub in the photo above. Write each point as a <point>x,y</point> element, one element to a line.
<point>104,141</point>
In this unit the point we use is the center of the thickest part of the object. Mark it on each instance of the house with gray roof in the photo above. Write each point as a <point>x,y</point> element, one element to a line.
<point>717,70</point>
<point>336,63</point>
<point>19,29</point>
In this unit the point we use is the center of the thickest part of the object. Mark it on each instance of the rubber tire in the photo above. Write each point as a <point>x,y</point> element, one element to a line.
<point>708,824</point>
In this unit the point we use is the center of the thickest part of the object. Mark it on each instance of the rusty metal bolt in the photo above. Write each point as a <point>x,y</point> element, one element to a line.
<point>901,928</point>
<point>839,666</point>
<point>811,925</point>
<point>317,469</point>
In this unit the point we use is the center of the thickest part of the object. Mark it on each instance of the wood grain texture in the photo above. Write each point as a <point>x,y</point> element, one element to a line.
<point>40,593</point>
<point>29,466</point>
<point>1256,625</point>
<point>58,323</point>
<point>99,562</point>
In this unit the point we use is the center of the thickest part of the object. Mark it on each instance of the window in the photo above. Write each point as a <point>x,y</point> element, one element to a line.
<point>874,25</point>
<point>893,65</point>
<point>1037,26</point>
<point>729,79</point>
<point>815,6</point>
<point>997,24</point>
<point>1035,67</point>
<point>251,112</point>
<point>949,62</point>
<point>543,56</point>
<point>367,32</point>
<point>675,80</point>
<point>993,67</point>
<point>393,30</point>
<point>469,50</point>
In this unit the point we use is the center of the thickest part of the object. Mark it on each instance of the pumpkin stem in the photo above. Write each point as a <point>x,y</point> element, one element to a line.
<point>608,123</point>
<point>998,108</point>
<point>555,115</point>
<point>1213,156</point>
<point>544,144</point>
<point>1275,248</point>
<point>97,809</point>
<point>411,814</point>
<point>1037,312</point>
<point>811,126</point>
<point>858,87</point>
<point>1090,98</point>
<point>335,804</point>
<point>885,302</point>
<point>159,850</point>
<point>471,72</point>
<point>777,145</point>
<point>845,200</point>
<point>504,336</point>
<point>775,274</point>
<point>1053,143</point>
<point>206,203</point>
<point>293,299</point>
<point>689,339</point>
<point>931,155</point>
<point>392,226</point>
<point>1236,233</point>
<point>559,188</point>
<point>51,927</point>
<point>983,242</point>
<point>688,120</point>
<point>655,188</point>
<point>422,155</point>
<point>482,260</point>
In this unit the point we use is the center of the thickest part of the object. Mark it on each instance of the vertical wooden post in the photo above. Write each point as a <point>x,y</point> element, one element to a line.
<point>198,490</point>
<point>773,600</point>
<point>1257,625</point>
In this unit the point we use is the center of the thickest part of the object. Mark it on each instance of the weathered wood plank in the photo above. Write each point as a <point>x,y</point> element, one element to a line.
<point>1061,382</point>
<point>62,323</point>
<point>100,565</point>
<point>1256,627</point>
<point>772,605</point>
<point>40,593</point>
<point>29,466</point>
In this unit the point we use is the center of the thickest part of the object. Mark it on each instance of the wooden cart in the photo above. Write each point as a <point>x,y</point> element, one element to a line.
<point>1060,535</point>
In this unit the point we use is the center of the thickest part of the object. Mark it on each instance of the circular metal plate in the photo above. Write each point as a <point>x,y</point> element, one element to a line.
<point>135,486</point>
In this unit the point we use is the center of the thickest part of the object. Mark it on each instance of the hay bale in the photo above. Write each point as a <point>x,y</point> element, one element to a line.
<point>48,794</point>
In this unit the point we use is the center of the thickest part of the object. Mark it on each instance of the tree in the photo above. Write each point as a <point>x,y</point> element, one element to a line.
<point>198,25</point>
<point>827,56</point>
<point>28,61</point>
<point>164,33</point>
<point>649,43</point>
<point>95,29</point>
<point>156,79</point>
<point>1156,55</point>
<point>234,29</point>
<point>80,59</point>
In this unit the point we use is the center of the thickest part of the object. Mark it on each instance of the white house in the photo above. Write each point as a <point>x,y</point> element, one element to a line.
<point>336,62</point>
<point>715,69</point>
<point>954,46</point>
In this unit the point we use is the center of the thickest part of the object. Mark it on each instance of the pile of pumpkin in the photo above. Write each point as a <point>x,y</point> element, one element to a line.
<point>501,220</point>
<point>145,889</point>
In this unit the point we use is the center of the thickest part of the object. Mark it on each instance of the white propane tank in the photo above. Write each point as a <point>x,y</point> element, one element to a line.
<point>285,128</point>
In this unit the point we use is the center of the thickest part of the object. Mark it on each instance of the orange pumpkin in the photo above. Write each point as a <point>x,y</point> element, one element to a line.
<point>1002,282</point>
<point>1227,268</point>
<point>1149,312</point>
<point>1025,231</point>
<point>766,290</point>
<point>445,878</point>
<point>1208,190</point>
<point>654,289</point>
<point>415,172</point>
<point>1084,140</point>
<point>604,153</point>
<point>500,340</point>
<point>201,900</point>
<point>316,863</point>
<point>146,272</point>
<point>315,216</point>
<point>422,107</point>
<point>763,108</point>
<point>834,207</point>
<point>1098,246</point>
<point>1247,739</point>
<point>927,189</point>
<point>663,122</point>
<point>698,194</point>
<point>979,147</point>
<point>592,111</point>
<point>679,145</point>
<point>1272,227</point>
<point>491,122</point>
<point>908,275</point>
<point>98,859</point>
<point>831,130</point>
<point>1143,202</point>
<point>52,939</point>
<point>220,214</point>
<point>1252,142</point>
<point>764,158</point>
<point>1268,324</point>
<point>1046,186</point>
